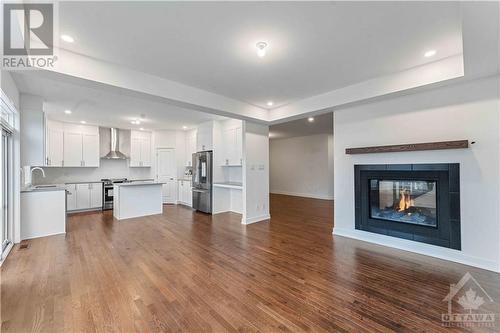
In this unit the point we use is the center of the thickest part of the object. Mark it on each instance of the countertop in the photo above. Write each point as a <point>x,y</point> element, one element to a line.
<point>90,182</point>
<point>44,188</point>
<point>137,183</point>
<point>235,185</point>
<point>100,181</point>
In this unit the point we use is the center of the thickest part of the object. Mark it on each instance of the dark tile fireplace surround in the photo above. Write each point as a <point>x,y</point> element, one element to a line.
<point>419,202</point>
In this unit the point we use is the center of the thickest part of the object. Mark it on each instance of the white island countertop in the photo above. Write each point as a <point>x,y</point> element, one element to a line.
<point>138,183</point>
<point>137,199</point>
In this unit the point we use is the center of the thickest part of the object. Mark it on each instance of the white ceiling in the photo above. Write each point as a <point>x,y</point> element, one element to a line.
<point>100,107</point>
<point>314,47</point>
<point>322,124</point>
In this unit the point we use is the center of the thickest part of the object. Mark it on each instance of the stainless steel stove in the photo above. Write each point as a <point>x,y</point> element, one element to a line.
<point>107,191</point>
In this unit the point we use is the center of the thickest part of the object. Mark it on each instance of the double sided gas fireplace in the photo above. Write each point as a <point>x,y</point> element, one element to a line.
<point>419,202</point>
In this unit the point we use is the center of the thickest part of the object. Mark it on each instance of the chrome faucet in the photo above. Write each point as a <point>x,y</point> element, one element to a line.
<point>37,168</point>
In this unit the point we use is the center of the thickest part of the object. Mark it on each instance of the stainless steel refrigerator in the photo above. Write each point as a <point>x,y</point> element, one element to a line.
<point>202,181</point>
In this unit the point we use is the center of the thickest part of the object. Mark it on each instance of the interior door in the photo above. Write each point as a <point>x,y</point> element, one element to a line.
<point>73,149</point>
<point>166,172</point>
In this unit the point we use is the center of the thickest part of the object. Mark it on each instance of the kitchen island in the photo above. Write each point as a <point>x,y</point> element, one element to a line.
<point>43,211</point>
<point>136,199</point>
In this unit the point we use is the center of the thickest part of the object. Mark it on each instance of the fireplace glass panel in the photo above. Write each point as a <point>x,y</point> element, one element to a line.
<point>404,201</point>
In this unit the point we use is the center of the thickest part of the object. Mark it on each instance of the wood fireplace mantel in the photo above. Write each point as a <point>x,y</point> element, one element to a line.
<point>458,144</point>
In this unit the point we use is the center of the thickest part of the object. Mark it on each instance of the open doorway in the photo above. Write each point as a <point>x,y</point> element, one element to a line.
<point>301,169</point>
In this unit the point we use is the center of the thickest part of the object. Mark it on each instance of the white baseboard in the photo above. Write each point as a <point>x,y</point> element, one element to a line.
<point>47,235</point>
<point>420,248</point>
<point>304,195</point>
<point>255,219</point>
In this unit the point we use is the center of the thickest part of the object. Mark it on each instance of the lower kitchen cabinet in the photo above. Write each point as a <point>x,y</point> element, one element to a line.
<point>84,196</point>
<point>185,196</point>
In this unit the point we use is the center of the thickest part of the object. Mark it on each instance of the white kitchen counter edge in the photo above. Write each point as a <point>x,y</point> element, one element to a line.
<point>138,183</point>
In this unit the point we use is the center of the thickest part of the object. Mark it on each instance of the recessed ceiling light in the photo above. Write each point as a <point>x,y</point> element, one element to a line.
<point>83,122</point>
<point>310,119</point>
<point>261,49</point>
<point>67,111</point>
<point>184,127</point>
<point>67,38</point>
<point>270,103</point>
<point>135,122</point>
<point>429,53</point>
<point>142,129</point>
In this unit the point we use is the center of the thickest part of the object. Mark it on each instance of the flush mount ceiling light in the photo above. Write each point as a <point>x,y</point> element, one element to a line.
<point>261,49</point>
<point>270,103</point>
<point>429,53</point>
<point>67,38</point>
<point>310,119</point>
<point>67,111</point>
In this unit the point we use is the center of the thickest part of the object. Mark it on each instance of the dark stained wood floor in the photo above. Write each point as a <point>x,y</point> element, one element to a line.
<point>184,271</point>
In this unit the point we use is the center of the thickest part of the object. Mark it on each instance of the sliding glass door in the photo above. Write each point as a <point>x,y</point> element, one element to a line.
<point>5,188</point>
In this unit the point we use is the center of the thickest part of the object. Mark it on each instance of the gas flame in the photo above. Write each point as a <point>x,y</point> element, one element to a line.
<point>405,201</point>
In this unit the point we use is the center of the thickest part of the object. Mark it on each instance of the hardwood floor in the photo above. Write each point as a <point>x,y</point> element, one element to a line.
<point>185,271</point>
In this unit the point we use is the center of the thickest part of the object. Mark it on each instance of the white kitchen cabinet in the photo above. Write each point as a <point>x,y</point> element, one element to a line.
<point>90,150</point>
<point>185,194</point>
<point>54,141</point>
<point>204,136</point>
<point>73,149</point>
<point>232,153</point>
<point>71,197</point>
<point>84,196</point>
<point>81,146</point>
<point>190,147</point>
<point>95,195</point>
<point>140,149</point>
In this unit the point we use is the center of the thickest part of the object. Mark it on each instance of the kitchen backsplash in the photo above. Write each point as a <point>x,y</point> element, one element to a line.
<point>107,169</point>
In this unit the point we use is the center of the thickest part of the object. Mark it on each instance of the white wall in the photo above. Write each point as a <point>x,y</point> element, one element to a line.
<point>302,166</point>
<point>461,111</point>
<point>9,88</point>
<point>256,172</point>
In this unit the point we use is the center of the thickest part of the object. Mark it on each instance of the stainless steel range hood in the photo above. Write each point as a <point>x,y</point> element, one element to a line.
<point>114,153</point>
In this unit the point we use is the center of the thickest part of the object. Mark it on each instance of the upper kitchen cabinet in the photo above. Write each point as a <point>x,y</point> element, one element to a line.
<point>81,146</point>
<point>205,136</point>
<point>232,138</point>
<point>140,149</point>
<point>190,147</point>
<point>54,147</point>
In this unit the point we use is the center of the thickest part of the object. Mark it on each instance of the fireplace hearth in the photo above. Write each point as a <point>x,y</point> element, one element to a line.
<point>419,202</point>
